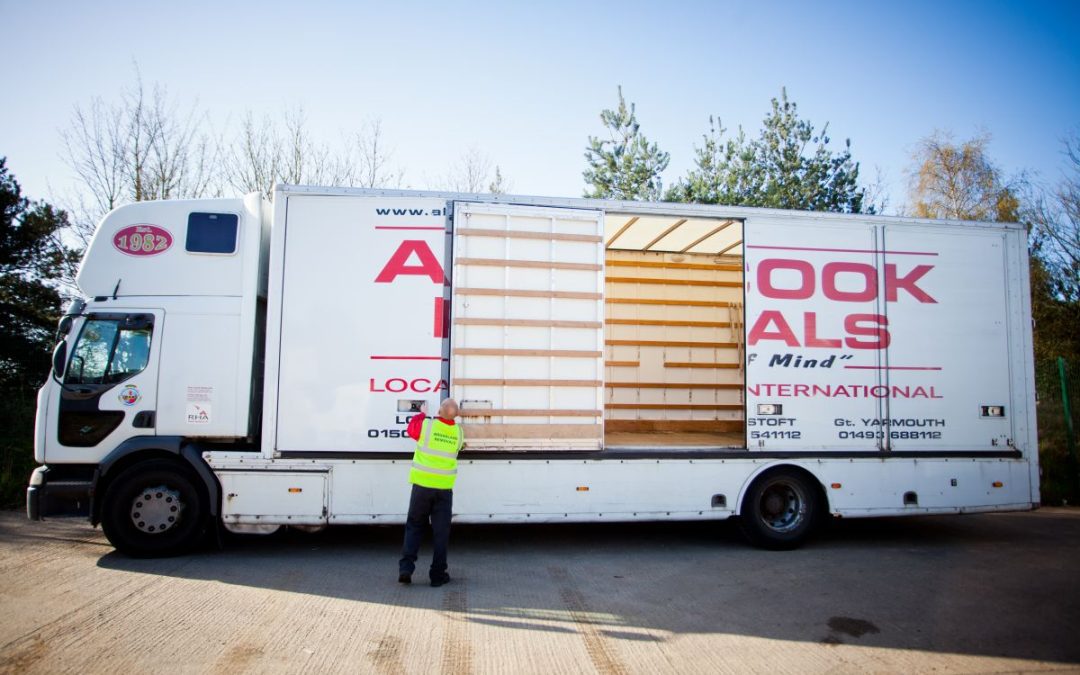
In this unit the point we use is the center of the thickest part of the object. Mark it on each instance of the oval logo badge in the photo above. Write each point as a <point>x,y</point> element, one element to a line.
<point>129,395</point>
<point>142,240</point>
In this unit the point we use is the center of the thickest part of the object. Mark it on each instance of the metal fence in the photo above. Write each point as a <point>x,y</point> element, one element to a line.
<point>1057,385</point>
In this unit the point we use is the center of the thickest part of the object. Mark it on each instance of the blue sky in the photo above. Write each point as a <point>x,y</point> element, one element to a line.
<point>525,81</point>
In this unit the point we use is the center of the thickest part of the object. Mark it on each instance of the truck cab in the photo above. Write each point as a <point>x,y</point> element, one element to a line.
<point>161,352</point>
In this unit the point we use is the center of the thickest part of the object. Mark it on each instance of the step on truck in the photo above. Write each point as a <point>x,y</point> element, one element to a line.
<point>253,364</point>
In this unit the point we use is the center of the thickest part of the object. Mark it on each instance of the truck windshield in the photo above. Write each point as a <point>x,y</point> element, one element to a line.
<point>110,350</point>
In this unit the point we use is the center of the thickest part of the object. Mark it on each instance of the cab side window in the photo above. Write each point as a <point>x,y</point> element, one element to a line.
<point>110,350</point>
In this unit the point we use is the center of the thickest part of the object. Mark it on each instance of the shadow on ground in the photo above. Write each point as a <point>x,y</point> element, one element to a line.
<point>995,585</point>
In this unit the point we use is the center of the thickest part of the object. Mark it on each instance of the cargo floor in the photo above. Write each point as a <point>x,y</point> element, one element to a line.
<point>674,439</point>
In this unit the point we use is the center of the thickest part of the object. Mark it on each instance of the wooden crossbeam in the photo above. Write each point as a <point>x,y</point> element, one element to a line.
<point>673,282</point>
<point>665,233</point>
<point>697,241</point>
<point>539,412</point>
<point>494,382</point>
<point>623,364</point>
<point>622,229</point>
<point>673,406</point>
<point>670,385</point>
<point>691,364</point>
<point>531,264</point>
<point>531,323</point>
<point>559,353</point>
<point>520,293</point>
<point>658,322</point>
<point>520,234</point>
<point>613,262</point>
<point>671,343</point>
<point>671,303</point>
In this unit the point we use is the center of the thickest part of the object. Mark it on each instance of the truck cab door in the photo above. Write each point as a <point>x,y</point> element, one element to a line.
<point>108,390</point>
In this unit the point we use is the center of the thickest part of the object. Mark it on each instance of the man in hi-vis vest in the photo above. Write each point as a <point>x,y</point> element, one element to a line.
<point>434,468</point>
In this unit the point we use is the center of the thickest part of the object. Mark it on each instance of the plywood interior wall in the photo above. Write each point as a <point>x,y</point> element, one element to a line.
<point>673,342</point>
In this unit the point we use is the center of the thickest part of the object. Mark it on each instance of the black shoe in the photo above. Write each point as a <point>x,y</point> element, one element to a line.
<point>435,583</point>
<point>404,578</point>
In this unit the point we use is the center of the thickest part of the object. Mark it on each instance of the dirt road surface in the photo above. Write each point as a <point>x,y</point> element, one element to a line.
<point>986,593</point>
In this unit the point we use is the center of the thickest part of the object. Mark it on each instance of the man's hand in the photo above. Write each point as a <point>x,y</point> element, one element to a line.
<point>423,408</point>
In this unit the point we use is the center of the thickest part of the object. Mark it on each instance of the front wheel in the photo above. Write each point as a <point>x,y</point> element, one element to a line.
<point>780,510</point>
<point>154,509</point>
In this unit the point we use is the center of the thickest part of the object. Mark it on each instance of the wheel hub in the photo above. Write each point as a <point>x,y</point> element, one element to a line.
<point>156,509</point>
<point>782,507</point>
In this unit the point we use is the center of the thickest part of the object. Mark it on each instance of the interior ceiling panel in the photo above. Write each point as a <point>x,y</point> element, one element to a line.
<point>673,234</point>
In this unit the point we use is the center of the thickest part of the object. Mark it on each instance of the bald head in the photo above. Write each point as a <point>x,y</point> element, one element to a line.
<point>448,410</point>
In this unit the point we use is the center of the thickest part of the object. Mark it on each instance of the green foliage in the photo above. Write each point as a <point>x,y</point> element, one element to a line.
<point>788,166</point>
<point>957,181</point>
<point>30,260</point>
<point>625,165</point>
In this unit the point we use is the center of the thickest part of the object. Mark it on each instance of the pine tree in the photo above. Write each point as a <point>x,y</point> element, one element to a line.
<point>625,165</point>
<point>788,166</point>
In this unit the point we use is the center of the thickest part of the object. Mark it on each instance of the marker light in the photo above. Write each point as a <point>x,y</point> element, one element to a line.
<point>998,483</point>
<point>992,411</point>
<point>294,490</point>
<point>770,409</point>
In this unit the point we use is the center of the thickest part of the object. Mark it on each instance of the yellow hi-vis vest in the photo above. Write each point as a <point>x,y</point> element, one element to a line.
<point>434,463</point>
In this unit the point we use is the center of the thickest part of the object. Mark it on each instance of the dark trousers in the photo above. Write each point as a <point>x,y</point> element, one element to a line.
<point>427,505</point>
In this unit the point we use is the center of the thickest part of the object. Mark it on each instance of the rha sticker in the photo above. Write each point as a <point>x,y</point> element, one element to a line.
<point>142,240</point>
<point>129,395</point>
<point>198,413</point>
<point>199,401</point>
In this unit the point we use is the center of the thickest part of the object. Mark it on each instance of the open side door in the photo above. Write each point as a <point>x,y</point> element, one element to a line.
<point>527,339</point>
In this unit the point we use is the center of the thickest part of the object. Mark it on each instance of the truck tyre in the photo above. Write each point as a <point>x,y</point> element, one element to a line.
<point>780,510</point>
<point>154,509</point>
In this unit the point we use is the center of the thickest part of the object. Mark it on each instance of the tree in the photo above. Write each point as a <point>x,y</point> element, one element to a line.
<point>625,165</point>
<point>30,262</point>
<point>499,184</point>
<point>472,173</point>
<point>266,152</point>
<point>788,166</point>
<point>140,148</point>
<point>958,181</point>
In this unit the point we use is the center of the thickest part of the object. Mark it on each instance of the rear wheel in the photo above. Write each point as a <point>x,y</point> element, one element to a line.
<point>780,510</point>
<point>154,509</point>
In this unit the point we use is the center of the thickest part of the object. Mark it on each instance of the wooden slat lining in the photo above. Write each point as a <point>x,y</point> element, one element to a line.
<point>533,323</point>
<point>481,381</point>
<point>530,264</point>
<point>673,406</point>
<point>642,426</point>
<point>478,431</point>
<point>724,225</point>
<point>520,234</point>
<point>658,322</point>
<point>614,262</point>
<point>623,364</point>
<point>672,282</point>
<point>666,302</point>
<point>691,364</point>
<point>669,385</point>
<point>546,412</point>
<point>622,229</point>
<point>734,245</point>
<point>559,353</point>
<point>671,343</point>
<point>664,234</point>
<point>520,293</point>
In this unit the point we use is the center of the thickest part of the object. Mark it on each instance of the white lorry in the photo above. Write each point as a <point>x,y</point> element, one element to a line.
<point>254,364</point>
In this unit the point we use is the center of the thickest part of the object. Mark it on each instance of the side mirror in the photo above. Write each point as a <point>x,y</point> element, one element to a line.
<point>59,359</point>
<point>64,328</point>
